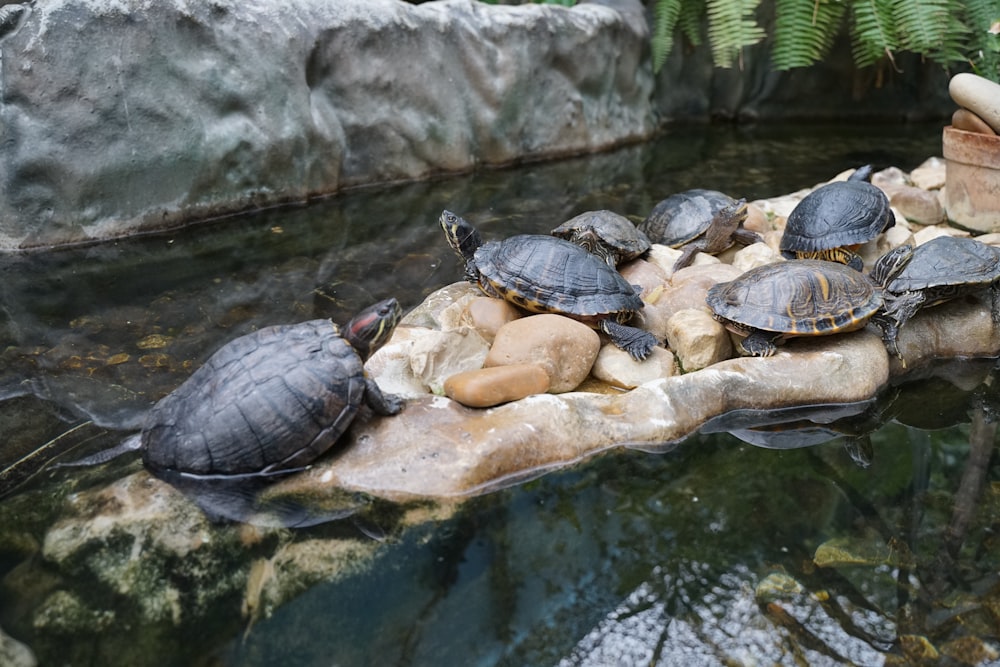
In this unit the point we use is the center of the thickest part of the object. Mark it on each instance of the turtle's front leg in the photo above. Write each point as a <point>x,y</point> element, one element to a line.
<point>384,404</point>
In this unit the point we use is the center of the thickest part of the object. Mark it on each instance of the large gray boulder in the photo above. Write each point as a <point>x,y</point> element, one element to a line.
<point>126,117</point>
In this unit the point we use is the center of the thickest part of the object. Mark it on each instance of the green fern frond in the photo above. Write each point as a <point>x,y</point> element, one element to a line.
<point>732,26</point>
<point>665,15</point>
<point>955,38</point>
<point>921,24</point>
<point>874,34</point>
<point>804,31</point>
<point>690,20</point>
<point>982,46</point>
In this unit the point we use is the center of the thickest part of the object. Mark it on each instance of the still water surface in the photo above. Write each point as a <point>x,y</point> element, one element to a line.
<point>708,554</point>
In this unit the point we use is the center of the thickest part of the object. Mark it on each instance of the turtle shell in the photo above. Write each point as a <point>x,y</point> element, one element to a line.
<point>545,274</point>
<point>803,297</point>
<point>605,227</point>
<point>684,216</point>
<point>845,213</point>
<point>268,401</point>
<point>948,261</point>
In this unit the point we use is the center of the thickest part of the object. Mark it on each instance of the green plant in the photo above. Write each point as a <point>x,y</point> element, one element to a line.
<point>943,31</point>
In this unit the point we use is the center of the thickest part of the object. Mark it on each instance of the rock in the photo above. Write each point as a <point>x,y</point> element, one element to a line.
<point>977,94</point>
<point>487,315</point>
<point>963,119</point>
<point>392,363</point>
<point>927,233</point>
<point>917,205</point>
<point>685,289</point>
<point>895,237</point>
<point>930,174</point>
<point>617,368</point>
<point>754,255</point>
<point>889,179</point>
<point>474,451</point>
<point>438,355</point>
<point>649,276</point>
<point>15,654</point>
<point>438,310</point>
<point>486,387</point>
<point>957,328</point>
<point>565,348</point>
<point>249,105</point>
<point>758,219</point>
<point>698,339</point>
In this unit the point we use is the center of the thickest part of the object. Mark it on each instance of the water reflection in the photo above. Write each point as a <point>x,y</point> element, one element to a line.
<point>715,551</point>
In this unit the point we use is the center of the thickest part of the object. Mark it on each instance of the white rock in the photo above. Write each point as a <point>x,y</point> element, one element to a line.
<point>438,355</point>
<point>930,174</point>
<point>618,368</point>
<point>754,255</point>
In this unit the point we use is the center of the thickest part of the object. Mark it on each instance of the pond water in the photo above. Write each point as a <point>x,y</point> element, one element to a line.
<point>874,545</point>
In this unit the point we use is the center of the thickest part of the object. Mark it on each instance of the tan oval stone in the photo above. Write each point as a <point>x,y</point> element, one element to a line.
<point>565,348</point>
<point>698,339</point>
<point>918,205</point>
<point>487,315</point>
<point>618,368</point>
<point>754,255</point>
<point>486,387</point>
<point>648,276</point>
<point>977,94</point>
<point>963,119</point>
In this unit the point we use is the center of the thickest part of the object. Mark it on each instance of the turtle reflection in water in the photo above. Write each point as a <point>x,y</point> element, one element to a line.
<point>798,297</point>
<point>267,403</point>
<point>545,274</point>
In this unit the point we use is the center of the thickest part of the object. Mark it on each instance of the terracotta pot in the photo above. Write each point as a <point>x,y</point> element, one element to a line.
<point>972,174</point>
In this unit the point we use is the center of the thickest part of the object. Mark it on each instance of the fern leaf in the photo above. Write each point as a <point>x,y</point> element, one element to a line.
<point>732,26</point>
<point>690,20</point>
<point>804,31</point>
<point>664,21</point>
<point>921,24</point>
<point>874,34</point>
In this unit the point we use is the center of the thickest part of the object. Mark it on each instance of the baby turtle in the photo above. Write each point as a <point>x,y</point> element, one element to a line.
<point>545,274</point>
<point>944,268</point>
<point>833,220</point>
<point>698,221</point>
<point>803,297</point>
<point>607,234</point>
<point>266,403</point>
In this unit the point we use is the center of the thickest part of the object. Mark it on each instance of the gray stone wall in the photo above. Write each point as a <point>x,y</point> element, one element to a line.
<point>127,116</point>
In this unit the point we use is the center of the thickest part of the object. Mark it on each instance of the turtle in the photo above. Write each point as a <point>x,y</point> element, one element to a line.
<point>267,403</point>
<point>607,234</point>
<point>798,297</point>
<point>944,268</point>
<point>544,274</point>
<point>832,221</point>
<point>698,221</point>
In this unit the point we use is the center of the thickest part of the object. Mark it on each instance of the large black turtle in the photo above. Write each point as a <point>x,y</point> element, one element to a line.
<point>832,221</point>
<point>268,402</point>
<point>545,274</point>
<point>798,297</point>
<point>942,269</point>
<point>698,220</point>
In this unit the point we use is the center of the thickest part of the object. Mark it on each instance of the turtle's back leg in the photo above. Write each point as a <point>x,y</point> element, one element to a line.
<point>760,343</point>
<point>635,341</point>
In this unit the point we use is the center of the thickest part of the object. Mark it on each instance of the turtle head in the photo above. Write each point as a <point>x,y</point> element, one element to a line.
<point>890,264</point>
<point>463,239</point>
<point>371,328</point>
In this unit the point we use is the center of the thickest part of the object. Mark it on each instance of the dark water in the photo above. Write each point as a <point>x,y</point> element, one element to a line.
<point>705,555</point>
